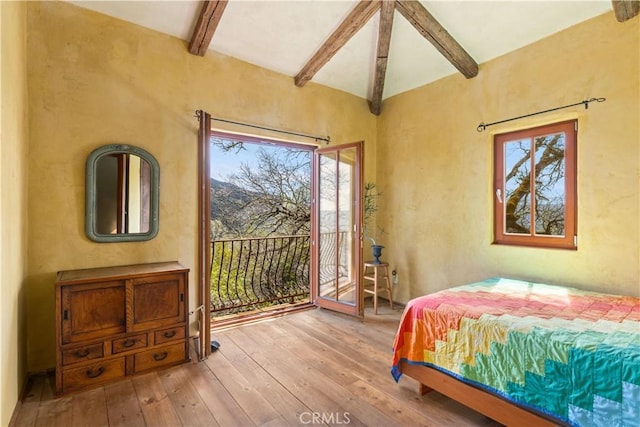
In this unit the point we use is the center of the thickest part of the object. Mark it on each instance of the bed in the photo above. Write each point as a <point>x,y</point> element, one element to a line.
<point>526,353</point>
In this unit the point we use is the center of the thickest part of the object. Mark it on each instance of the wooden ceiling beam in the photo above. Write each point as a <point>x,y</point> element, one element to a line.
<point>208,21</point>
<point>384,40</point>
<point>431,29</point>
<point>625,9</point>
<point>356,19</point>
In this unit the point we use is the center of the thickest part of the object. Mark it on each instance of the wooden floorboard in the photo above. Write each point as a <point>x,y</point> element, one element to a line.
<point>28,413</point>
<point>312,387</point>
<point>239,384</point>
<point>157,408</point>
<point>283,400</point>
<point>123,408</point>
<point>306,368</point>
<point>222,405</point>
<point>188,404</point>
<point>90,409</point>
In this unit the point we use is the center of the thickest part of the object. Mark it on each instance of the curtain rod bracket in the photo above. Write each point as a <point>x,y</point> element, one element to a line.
<point>483,126</point>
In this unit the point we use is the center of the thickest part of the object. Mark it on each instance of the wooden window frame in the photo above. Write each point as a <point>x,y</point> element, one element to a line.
<point>569,240</point>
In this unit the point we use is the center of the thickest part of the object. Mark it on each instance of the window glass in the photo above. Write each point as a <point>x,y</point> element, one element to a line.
<point>535,190</point>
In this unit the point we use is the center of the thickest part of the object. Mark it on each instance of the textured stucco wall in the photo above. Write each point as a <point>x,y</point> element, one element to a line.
<point>95,80</point>
<point>13,204</point>
<point>435,169</point>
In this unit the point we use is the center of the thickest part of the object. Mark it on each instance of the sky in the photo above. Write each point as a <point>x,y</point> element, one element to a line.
<point>226,163</point>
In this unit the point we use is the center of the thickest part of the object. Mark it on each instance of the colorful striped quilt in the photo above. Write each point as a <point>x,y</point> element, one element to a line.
<point>565,352</point>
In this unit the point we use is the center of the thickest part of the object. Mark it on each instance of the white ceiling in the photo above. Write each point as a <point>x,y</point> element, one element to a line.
<point>283,35</point>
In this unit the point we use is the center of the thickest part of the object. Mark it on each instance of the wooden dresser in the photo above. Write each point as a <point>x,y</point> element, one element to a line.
<point>117,321</point>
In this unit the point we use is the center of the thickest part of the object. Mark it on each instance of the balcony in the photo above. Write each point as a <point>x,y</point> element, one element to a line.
<point>257,274</point>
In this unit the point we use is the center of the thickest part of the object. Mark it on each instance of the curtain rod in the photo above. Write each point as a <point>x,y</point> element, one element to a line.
<point>482,126</point>
<point>316,138</point>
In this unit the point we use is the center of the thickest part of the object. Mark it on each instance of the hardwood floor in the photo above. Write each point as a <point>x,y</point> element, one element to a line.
<point>308,368</point>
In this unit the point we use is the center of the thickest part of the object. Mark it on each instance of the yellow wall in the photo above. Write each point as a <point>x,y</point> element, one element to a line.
<point>13,204</point>
<point>435,169</point>
<point>95,80</point>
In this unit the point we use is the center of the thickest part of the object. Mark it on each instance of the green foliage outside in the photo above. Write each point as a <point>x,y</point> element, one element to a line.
<point>260,230</point>
<point>252,274</point>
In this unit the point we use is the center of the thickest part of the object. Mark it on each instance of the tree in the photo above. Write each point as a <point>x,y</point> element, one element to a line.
<point>270,197</point>
<point>548,176</point>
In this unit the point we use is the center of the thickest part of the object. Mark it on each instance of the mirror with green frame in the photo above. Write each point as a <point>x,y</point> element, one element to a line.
<point>122,192</point>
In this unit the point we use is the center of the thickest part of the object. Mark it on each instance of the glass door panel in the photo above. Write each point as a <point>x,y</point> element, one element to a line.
<point>336,229</point>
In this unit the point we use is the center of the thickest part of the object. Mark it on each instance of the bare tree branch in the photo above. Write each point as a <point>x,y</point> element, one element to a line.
<point>549,170</point>
<point>271,197</point>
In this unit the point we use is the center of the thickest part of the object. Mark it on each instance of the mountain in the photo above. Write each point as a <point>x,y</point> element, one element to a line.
<point>225,194</point>
<point>236,211</point>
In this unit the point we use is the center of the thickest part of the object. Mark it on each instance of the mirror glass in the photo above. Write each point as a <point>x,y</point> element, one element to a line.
<point>121,194</point>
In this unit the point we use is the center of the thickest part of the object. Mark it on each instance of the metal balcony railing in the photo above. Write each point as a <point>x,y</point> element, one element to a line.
<point>252,273</point>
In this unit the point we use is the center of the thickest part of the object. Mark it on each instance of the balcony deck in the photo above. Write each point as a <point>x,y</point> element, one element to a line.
<point>306,368</point>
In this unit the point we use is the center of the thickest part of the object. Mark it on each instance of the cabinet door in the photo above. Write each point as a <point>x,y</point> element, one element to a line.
<point>90,311</point>
<point>156,301</point>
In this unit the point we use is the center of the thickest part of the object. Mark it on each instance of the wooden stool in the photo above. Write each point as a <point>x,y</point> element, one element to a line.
<point>380,270</point>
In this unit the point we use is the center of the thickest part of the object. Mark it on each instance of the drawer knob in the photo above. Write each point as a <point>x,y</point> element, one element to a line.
<point>82,353</point>
<point>128,343</point>
<point>160,356</point>
<point>169,334</point>
<point>95,374</point>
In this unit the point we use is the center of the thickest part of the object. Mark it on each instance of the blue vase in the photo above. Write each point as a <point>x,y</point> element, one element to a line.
<point>377,252</point>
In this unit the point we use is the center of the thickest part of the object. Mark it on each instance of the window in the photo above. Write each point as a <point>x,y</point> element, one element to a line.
<point>535,186</point>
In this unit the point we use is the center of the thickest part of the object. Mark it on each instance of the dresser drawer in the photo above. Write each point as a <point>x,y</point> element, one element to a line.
<point>128,343</point>
<point>170,334</point>
<point>76,378</point>
<point>80,354</point>
<point>158,357</point>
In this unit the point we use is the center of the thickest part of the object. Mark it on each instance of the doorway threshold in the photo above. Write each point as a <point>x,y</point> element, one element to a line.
<point>233,320</point>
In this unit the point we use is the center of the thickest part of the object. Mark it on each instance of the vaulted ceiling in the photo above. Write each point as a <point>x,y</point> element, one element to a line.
<point>372,49</point>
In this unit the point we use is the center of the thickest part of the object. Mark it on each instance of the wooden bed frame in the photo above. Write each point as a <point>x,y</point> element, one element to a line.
<point>488,404</point>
